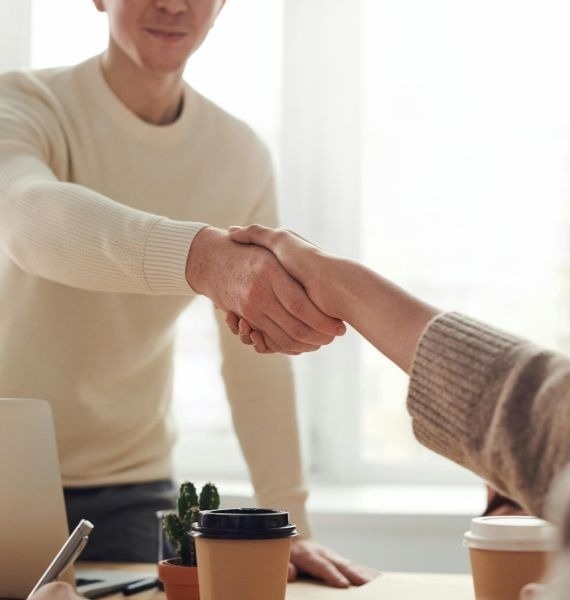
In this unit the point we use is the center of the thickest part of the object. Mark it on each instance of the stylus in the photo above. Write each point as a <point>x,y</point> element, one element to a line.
<point>67,554</point>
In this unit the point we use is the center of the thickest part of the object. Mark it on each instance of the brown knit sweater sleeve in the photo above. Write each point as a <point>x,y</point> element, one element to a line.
<point>493,403</point>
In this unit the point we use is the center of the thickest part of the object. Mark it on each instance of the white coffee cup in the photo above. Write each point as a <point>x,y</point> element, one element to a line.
<point>507,553</point>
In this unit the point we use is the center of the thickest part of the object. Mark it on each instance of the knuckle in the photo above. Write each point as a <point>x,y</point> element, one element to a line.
<point>297,306</point>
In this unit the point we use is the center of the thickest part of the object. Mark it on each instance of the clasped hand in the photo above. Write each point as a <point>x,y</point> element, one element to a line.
<point>249,281</point>
<point>303,262</point>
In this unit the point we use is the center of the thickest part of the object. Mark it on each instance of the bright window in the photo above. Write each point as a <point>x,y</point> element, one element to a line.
<point>466,143</point>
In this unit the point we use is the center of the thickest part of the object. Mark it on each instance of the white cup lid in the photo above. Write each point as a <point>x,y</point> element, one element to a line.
<point>512,533</point>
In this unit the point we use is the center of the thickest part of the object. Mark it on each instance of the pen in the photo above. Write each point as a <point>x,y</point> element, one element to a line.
<point>140,586</point>
<point>66,555</point>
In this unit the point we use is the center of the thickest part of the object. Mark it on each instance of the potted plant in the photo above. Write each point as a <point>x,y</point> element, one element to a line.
<point>180,575</point>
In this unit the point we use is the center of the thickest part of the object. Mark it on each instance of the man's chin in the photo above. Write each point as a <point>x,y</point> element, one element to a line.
<point>167,68</point>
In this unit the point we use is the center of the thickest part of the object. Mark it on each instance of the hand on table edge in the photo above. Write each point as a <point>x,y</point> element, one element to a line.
<point>310,558</point>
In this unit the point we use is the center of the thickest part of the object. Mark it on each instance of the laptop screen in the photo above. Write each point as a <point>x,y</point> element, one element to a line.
<point>33,526</point>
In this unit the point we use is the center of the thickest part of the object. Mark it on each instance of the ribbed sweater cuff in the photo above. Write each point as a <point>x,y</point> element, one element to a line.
<point>165,256</point>
<point>456,360</point>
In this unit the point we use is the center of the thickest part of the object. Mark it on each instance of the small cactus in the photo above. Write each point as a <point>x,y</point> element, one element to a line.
<point>178,526</point>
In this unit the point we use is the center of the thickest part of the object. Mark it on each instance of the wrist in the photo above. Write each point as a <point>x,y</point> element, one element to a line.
<point>199,262</point>
<point>335,285</point>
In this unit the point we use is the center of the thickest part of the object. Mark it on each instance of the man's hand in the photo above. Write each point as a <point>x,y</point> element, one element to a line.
<point>313,559</point>
<point>249,282</point>
<point>58,590</point>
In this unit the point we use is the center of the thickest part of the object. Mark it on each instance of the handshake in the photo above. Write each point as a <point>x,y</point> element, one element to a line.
<point>303,306</point>
<point>283,294</point>
<point>273,286</point>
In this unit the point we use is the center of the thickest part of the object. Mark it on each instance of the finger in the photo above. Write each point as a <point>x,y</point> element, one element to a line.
<point>254,234</point>
<point>279,329</point>
<point>356,574</point>
<point>530,591</point>
<point>232,321</point>
<point>263,236</point>
<point>244,332</point>
<point>292,572</point>
<point>315,326</point>
<point>322,568</point>
<point>263,343</point>
<point>260,344</point>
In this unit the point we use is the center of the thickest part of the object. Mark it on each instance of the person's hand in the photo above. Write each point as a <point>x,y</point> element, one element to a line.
<point>310,558</point>
<point>304,261</point>
<point>532,591</point>
<point>553,589</point>
<point>249,282</point>
<point>57,590</point>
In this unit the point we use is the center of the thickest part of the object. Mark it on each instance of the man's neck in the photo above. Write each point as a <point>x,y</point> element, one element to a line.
<point>154,97</point>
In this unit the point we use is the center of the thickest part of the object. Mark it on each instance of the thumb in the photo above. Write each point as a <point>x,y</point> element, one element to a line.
<point>252,234</point>
<point>239,234</point>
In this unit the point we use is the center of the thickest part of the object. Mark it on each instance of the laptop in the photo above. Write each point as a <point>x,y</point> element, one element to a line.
<point>33,523</point>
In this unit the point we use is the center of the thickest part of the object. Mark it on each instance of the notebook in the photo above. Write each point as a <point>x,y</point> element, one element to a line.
<point>33,523</point>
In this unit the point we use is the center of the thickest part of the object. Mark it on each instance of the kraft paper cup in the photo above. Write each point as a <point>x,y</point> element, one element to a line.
<point>243,553</point>
<point>508,552</point>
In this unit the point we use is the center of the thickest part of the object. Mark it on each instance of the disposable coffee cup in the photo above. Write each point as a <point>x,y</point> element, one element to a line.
<point>508,552</point>
<point>243,553</point>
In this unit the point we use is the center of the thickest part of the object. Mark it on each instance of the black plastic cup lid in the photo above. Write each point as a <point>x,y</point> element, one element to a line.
<point>244,524</point>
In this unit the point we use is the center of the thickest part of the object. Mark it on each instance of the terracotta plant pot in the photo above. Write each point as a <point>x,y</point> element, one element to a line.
<point>180,581</point>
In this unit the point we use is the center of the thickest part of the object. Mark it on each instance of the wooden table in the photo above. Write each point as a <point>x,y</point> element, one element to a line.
<point>389,586</point>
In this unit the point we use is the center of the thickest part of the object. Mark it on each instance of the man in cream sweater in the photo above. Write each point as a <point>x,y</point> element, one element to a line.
<point>109,173</point>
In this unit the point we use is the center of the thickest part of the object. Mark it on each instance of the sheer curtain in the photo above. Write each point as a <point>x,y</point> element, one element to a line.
<point>431,141</point>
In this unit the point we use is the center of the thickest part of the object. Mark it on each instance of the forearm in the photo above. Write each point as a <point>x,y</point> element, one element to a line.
<point>386,315</point>
<point>75,236</point>
<point>493,403</point>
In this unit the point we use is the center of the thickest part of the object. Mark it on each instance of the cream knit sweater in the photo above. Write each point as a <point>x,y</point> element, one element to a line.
<point>97,212</point>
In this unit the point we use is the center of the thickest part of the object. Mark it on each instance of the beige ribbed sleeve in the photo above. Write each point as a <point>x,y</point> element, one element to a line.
<point>493,403</point>
<point>73,235</point>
